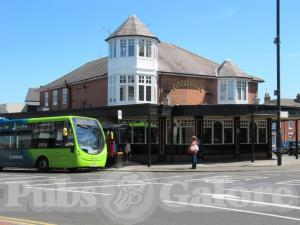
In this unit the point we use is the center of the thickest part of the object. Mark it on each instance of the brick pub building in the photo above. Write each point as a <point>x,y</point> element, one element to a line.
<point>167,94</point>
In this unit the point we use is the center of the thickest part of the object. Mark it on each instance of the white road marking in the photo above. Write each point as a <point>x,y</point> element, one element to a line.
<point>79,182</point>
<point>65,190</point>
<point>14,178</point>
<point>32,181</point>
<point>234,210</point>
<point>114,185</point>
<point>264,193</point>
<point>253,202</point>
<point>291,182</point>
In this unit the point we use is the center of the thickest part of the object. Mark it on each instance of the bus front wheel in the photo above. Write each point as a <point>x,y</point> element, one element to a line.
<point>42,164</point>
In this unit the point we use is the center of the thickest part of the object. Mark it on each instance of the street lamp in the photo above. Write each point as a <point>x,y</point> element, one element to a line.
<point>277,92</point>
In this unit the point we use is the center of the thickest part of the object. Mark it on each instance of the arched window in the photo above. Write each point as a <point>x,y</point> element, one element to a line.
<point>218,132</point>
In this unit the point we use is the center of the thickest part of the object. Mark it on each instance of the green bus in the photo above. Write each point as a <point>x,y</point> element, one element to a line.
<point>70,142</point>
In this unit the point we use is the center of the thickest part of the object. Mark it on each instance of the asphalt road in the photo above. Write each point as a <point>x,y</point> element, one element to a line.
<point>98,197</point>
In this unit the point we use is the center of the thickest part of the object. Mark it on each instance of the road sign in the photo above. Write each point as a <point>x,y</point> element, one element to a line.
<point>119,114</point>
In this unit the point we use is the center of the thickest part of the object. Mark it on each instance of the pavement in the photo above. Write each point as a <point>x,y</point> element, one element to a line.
<point>288,163</point>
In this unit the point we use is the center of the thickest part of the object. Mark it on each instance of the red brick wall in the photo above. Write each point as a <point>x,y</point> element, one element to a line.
<point>252,91</point>
<point>205,93</point>
<point>84,95</point>
<point>90,94</point>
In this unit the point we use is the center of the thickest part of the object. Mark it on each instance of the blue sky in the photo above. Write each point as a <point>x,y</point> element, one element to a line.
<point>43,40</point>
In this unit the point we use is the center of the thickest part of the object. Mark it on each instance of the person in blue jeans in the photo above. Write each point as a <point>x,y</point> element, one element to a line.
<point>193,150</point>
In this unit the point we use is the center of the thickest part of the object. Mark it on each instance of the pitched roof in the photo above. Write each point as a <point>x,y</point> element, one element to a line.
<point>230,69</point>
<point>173,59</point>
<point>133,26</point>
<point>284,102</point>
<point>90,70</point>
<point>33,95</point>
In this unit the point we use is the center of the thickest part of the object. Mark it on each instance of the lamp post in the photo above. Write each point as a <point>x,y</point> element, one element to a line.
<point>277,92</point>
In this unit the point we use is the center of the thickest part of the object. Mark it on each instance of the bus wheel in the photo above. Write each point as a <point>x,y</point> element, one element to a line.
<point>42,164</point>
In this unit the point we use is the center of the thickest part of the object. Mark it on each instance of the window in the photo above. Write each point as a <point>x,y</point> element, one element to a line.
<point>141,79</point>
<point>239,90</point>
<point>123,48</point>
<point>142,48</point>
<point>244,126</point>
<point>54,95</point>
<point>131,47</point>
<point>242,90</point>
<point>148,79</point>
<point>65,96</point>
<point>46,99</point>
<point>148,49</point>
<point>122,79</point>
<point>228,131</point>
<point>183,130</point>
<point>223,90</point>
<point>110,50</point>
<point>262,131</point>
<point>207,131</point>
<point>7,141</point>
<point>122,93</point>
<point>141,93</point>
<point>148,93</point>
<point>130,93</point>
<point>131,79</point>
<point>230,90</point>
<point>218,132</point>
<point>115,49</point>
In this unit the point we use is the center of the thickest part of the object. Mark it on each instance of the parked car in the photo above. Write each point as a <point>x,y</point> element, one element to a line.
<point>292,148</point>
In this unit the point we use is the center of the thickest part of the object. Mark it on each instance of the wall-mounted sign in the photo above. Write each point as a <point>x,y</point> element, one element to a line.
<point>187,84</point>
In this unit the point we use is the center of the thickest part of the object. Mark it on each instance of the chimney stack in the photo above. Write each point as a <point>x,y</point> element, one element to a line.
<point>267,97</point>
<point>298,98</point>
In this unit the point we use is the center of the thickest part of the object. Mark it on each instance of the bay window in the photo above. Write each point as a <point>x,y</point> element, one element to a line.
<point>131,47</point>
<point>123,48</point>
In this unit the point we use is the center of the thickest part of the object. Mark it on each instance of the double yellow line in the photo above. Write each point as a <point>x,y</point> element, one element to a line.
<point>17,221</point>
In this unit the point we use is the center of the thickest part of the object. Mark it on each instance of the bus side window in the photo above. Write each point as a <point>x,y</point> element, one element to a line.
<point>7,141</point>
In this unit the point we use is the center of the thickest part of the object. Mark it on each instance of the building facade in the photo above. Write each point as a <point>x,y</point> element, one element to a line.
<point>167,94</point>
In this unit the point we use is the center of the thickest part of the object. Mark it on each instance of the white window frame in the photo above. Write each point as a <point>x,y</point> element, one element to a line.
<point>64,96</point>
<point>54,98</point>
<point>123,48</point>
<point>46,98</point>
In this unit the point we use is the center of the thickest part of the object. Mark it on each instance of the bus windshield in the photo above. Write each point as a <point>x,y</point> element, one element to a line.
<point>89,135</point>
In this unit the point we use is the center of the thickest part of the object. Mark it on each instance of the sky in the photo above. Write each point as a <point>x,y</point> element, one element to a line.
<point>42,40</point>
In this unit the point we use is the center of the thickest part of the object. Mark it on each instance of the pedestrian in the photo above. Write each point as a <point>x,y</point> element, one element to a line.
<point>193,150</point>
<point>127,151</point>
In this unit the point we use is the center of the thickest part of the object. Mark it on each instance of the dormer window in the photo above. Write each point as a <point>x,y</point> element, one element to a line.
<point>232,91</point>
<point>242,90</point>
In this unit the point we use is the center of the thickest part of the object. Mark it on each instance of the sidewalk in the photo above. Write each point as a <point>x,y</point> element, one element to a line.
<point>288,163</point>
